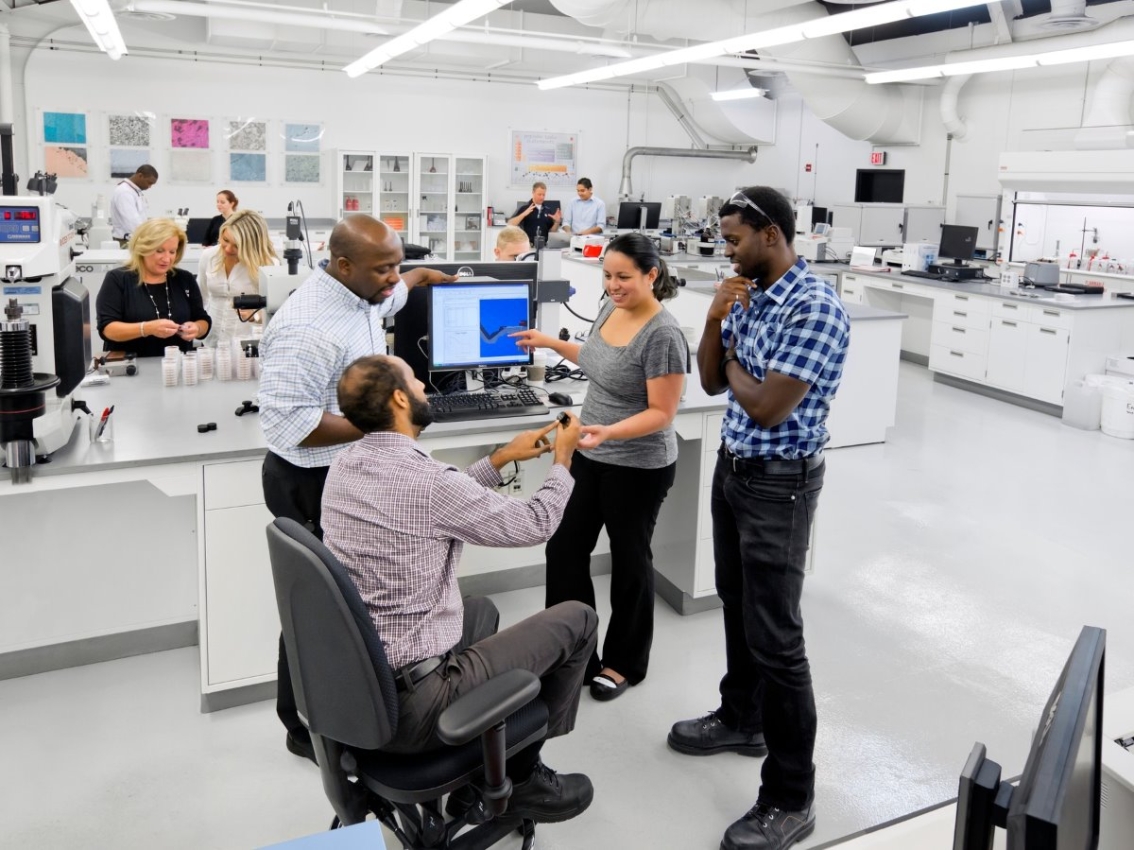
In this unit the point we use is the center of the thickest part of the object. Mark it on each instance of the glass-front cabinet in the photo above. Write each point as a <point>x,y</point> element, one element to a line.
<point>435,200</point>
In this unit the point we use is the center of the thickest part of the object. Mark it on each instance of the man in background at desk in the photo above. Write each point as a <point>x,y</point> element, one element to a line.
<point>127,206</point>
<point>534,217</point>
<point>398,520</point>
<point>775,339</point>
<point>332,319</point>
<point>586,214</point>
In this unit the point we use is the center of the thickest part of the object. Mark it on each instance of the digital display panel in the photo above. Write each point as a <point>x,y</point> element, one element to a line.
<point>19,224</point>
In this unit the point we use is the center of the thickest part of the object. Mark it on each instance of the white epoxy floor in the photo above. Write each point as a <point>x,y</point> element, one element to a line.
<point>955,566</point>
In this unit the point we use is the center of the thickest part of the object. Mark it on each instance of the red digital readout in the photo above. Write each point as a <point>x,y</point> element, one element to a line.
<point>26,215</point>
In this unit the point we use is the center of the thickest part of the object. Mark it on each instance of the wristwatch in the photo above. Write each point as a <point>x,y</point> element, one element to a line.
<point>728,357</point>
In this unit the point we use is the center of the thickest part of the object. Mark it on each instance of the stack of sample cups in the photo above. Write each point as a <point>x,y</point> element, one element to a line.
<point>206,357</point>
<point>243,367</point>
<point>224,363</point>
<point>169,368</point>
<point>189,368</point>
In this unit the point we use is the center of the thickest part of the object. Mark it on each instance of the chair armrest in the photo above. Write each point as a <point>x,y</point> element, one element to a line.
<point>486,705</point>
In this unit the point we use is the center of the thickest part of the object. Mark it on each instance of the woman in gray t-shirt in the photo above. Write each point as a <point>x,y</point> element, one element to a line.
<point>635,359</point>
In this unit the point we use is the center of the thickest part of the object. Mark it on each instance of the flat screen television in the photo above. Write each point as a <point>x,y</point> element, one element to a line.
<point>880,186</point>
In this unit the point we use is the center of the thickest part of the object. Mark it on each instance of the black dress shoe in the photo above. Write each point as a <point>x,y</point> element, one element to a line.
<point>550,797</point>
<point>765,827</point>
<point>300,744</point>
<point>706,736</point>
<point>604,688</point>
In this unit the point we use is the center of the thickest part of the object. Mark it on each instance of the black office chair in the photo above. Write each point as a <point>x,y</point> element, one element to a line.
<point>344,689</point>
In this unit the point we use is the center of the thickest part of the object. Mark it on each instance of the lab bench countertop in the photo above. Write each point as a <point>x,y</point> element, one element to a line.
<point>154,424</point>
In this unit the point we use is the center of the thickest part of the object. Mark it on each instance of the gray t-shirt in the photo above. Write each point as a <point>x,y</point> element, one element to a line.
<point>616,387</point>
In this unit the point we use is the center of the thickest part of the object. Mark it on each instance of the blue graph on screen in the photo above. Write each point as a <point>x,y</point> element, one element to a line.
<point>500,317</point>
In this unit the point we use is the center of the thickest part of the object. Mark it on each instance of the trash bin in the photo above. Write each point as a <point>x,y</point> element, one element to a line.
<point>1117,413</point>
<point>1082,402</point>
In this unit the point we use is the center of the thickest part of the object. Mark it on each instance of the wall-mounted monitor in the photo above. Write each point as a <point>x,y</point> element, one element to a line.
<point>880,186</point>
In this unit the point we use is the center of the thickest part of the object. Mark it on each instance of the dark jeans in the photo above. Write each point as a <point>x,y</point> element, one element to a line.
<point>554,644</point>
<point>294,492</point>
<point>761,525</point>
<point>626,500</point>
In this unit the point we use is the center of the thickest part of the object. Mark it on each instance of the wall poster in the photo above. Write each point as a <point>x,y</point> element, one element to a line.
<point>549,157</point>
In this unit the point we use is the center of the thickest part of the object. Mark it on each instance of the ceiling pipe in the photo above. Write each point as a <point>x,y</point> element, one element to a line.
<point>1107,125</point>
<point>626,190</point>
<point>954,123</point>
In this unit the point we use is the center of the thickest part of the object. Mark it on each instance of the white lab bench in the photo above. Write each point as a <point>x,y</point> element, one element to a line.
<point>1005,341</point>
<point>156,539</point>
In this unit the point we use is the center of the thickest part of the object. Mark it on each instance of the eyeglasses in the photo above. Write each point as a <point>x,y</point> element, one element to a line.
<point>742,200</point>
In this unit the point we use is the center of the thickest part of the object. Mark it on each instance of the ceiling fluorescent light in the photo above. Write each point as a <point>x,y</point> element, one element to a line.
<point>1006,63</point>
<point>100,23</point>
<point>457,15</point>
<point>816,28</point>
<point>739,94</point>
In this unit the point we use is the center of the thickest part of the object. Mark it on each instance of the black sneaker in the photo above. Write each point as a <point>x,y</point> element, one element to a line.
<point>299,743</point>
<point>708,735</point>
<point>765,827</point>
<point>549,797</point>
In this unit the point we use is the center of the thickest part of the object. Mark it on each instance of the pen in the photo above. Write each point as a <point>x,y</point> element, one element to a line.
<point>106,411</point>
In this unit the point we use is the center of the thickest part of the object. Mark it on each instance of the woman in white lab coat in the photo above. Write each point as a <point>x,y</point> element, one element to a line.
<point>232,267</point>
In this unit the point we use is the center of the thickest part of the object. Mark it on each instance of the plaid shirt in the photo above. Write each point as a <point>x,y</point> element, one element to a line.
<point>319,331</point>
<point>798,328</point>
<point>398,520</point>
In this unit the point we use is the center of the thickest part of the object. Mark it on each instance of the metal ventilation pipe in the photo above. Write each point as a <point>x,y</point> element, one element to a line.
<point>625,189</point>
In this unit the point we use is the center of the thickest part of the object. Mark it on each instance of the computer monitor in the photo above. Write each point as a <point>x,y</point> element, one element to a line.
<point>630,215</point>
<point>470,324</point>
<point>957,243</point>
<point>1056,805</point>
<point>195,230</point>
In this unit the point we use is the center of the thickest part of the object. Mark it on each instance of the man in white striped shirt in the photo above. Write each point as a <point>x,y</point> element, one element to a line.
<point>398,520</point>
<point>333,318</point>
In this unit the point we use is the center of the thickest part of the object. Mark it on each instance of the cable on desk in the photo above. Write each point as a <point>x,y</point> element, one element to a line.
<point>576,315</point>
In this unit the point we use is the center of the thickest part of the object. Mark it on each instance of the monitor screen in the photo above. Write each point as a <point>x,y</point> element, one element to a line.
<point>630,215</point>
<point>470,324</point>
<point>195,230</point>
<point>1056,805</point>
<point>879,186</point>
<point>957,242</point>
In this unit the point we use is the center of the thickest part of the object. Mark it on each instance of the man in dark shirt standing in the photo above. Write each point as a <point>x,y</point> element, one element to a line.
<point>535,217</point>
<point>775,339</point>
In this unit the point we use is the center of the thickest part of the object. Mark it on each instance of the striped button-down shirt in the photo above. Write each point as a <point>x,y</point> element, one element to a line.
<point>398,520</point>
<point>799,328</point>
<point>319,331</point>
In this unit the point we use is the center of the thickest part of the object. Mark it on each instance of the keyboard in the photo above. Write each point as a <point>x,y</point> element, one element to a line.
<point>923,275</point>
<point>462,407</point>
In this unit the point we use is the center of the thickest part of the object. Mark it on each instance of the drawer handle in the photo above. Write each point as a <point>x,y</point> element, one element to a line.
<point>897,286</point>
<point>1048,331</point>
<point>961,297</point>
<point>959,330</point>
<point>1007,324</point>
<point>1055,313</point>
<point>957,353</point>
<point>1009,306</point>
<point>960,313</point>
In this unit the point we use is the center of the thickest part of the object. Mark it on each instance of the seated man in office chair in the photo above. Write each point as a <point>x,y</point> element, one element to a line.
<point>397,520</point>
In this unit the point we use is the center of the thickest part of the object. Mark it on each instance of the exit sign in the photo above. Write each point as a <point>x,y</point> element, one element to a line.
<point>878,157</point>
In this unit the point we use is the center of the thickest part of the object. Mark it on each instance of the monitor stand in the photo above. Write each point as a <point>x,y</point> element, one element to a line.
<point>957,271</point>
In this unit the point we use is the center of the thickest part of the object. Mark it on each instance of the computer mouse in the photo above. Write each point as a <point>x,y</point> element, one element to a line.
<point>560,399</point>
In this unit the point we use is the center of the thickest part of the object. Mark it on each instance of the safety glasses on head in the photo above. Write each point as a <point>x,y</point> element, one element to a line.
<point>742,200</point>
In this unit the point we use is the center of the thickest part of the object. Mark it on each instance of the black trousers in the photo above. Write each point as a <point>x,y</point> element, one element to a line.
<point>294,492</point>
<point>626,500</point>
<point>761,526</point>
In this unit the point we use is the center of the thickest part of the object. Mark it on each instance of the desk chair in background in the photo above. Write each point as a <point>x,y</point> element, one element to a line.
<point>344,689</point>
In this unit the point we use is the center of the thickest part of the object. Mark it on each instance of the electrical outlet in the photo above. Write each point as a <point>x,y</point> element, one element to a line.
<point>517,485</point>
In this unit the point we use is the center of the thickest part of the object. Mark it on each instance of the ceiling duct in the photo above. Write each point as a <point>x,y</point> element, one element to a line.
<point>1067,16</point>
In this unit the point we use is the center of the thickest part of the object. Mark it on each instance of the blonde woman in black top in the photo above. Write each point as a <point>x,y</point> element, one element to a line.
<point>149,303</point>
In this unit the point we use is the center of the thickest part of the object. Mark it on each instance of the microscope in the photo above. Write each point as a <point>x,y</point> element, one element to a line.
<point>45,336</point>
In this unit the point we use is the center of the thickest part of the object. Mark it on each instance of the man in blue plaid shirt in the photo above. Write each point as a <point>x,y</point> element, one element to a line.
<point>775,339</point>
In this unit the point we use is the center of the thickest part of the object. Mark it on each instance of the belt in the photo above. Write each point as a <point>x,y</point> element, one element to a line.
<point>771,466</point>
<point>406,677</point>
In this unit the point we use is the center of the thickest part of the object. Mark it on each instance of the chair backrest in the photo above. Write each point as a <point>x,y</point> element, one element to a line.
<point>343,684</point>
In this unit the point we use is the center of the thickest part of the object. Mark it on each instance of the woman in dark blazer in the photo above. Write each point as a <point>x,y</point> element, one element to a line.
<point>226,206</point>
<point>149,303</point>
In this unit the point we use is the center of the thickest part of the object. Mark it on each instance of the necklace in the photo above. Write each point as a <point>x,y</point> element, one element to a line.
<point>168,300</point>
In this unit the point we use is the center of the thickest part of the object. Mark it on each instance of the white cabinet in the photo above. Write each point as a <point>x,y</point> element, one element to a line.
<point>1045,367</point>
<point>1007,350</point>
<point>850,289</point>
<point>1028,347</point>
<point>433,200</point>
<point>354,183</point>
